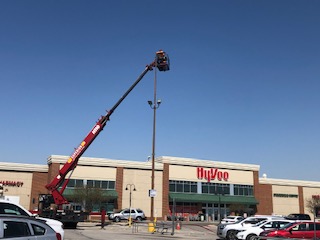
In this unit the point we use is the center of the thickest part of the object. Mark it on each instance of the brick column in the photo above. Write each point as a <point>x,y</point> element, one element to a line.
<point>165,190</point>
<point>119,186</point>
<point>263,193</point>
<point>37,187</point>
<point>301,199</point>
<point>53,171</point>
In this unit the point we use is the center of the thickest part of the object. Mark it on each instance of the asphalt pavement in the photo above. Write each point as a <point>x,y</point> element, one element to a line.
<point>142,230</point>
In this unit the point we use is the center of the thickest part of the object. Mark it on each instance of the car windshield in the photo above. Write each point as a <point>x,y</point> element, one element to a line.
<point>260,223</point>
<point>286,225</point>
<point>118,211</point>
<point>239,220</point>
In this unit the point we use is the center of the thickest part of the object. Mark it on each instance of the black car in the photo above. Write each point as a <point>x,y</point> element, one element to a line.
<point>298,216</point>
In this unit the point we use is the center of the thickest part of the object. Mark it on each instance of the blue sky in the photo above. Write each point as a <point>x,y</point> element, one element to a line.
<point>243,85</point>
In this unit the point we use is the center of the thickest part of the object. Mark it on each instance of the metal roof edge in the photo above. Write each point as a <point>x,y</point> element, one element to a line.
<point>105,162</point>
<point>207,163</point>
<point>287,182</point>
<point>23,167</point>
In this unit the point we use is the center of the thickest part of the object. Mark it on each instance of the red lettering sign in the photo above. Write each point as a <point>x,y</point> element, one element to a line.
<point>212,174</point>
<point>11,183</point>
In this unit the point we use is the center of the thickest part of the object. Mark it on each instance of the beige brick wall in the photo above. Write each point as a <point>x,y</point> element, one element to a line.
<point>285,205</point>
<point>307,194</point>
<point>94,173</point>
<point>24,191</point>
<point>189,173</point>
<point>140,198</point>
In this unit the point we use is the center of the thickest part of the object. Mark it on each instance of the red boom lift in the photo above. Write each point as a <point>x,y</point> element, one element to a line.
<point>71,217</point>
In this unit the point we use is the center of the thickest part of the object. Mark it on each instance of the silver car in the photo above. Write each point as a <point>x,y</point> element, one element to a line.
<point>26,228</point>
<point>7,207</point>
<point>124,214</point>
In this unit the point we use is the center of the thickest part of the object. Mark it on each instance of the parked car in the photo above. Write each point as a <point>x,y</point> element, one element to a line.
<point>175,218</point>
<point>298,216</point>
<point>231,219</point>
<point>230,230</point>
<point>11,208</point>
<point>252,233</point>
<point>124,214</point>
<point>26,228</point>
<point>297,230</point>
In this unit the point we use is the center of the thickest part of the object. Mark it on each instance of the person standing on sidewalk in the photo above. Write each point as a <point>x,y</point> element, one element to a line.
<point>103,217</point>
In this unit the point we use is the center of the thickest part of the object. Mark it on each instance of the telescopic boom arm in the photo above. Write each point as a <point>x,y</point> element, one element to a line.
<point>162,63</point>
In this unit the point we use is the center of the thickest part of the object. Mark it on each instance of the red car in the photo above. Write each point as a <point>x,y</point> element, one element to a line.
<point>299,230</point>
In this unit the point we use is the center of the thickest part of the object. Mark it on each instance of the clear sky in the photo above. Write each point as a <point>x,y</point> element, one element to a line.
<point>243,85</point>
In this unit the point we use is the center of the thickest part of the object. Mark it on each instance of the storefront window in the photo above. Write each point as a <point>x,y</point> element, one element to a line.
<point>185,210</point>
<point>79,183</point>
<point>216,188</point>
<point>97,184</point>
<point>71,183</point>
<point>112,185</point>
<point>172,187</point>
<point>243,190</point>
<point>205,188</point>
<point>213,188</point>
<point>91,184</point>
<point>193,188</point>
<point>179,187</point>
<point>109,206</point>
<point>105,184</point>
<point>187,188</point>
<point>75,183</point>
<point>182,186</point>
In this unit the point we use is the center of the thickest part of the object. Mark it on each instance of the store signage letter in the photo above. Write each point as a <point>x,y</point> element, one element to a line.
<point>12,183</point>
<point>212,174</point>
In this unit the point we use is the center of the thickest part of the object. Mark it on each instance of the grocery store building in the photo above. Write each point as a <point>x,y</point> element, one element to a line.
<point>191,188</point>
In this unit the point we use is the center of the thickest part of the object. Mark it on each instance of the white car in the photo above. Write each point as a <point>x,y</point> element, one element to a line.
<point>230,230</point>
<point>252,233</point>
<point>231,219</point>
<point>7,207</point>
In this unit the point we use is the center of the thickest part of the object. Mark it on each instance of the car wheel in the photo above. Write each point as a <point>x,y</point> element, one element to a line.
<point>117,219</point>
<point>139,219</point>
<point>231,235</point>
<point>251,237</point>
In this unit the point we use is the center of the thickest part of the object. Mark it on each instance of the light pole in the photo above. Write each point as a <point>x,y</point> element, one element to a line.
<point>134,189</point>
<point>154,105</point>
<point>219,208</point>
<point>218,192</point>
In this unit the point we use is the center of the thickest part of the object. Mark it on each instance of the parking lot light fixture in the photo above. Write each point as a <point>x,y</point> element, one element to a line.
<point>154,105</point>
<point>130,197</point>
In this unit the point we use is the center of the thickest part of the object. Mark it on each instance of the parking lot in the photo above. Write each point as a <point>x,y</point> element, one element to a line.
<point>121,230</point>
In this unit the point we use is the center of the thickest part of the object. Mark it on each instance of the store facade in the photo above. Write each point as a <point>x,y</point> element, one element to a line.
<point>208,189</point>
<point>21,182</point>
<point>191,189</point>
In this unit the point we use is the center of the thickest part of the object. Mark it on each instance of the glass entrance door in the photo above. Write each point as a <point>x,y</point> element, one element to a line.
<point>213,212</point>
